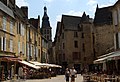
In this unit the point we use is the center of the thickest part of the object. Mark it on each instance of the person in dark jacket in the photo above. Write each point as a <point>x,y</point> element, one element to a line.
<point>67,74</point>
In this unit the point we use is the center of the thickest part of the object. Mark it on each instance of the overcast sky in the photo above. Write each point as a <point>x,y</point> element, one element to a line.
<point>55,8</point>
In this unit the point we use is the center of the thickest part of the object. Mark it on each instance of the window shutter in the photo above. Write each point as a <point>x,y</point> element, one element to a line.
<point>36,52</point>
<point>11,45</point>
<point>27,49</point>
<point>23,49</point>
<point>5,44</point>
<point>23,30</point>
<point>2,43</point>
<point>20,29</point>
<point>18,47</point>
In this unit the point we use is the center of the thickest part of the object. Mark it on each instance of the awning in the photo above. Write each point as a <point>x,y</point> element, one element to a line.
<point>38,64</point>
<point>101,60</point>
<point>29,64</point>
<point>112,56</point>
<point>10,59</point>
<point>44,64</point>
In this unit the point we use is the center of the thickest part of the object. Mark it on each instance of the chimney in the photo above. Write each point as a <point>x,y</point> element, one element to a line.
<point>25,11</point>
<point>5,2</point>
<point>38,21</point>
<point>13,2</point>
<point>88,16</point>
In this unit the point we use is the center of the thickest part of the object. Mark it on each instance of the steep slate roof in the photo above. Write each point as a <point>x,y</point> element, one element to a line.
<point>70,22</point>
<point>7,10</point>
<point>84,18</point>
<point>103,16</point>
<point>19,13</point>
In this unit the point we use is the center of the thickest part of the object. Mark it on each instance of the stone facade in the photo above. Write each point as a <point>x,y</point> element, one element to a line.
<point>7,31</point>
<point>73,37</point>
<point>103,31</point>
<point>17,33</point>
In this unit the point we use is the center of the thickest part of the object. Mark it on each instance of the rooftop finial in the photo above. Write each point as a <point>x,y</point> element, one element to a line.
<point>97,6</point>
<point>45,9</point>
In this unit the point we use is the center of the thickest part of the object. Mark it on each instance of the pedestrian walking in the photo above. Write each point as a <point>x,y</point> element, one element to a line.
<point>67,74</point>
<point>73,74</point>
<point>50,72</point>
<point>20,73</point>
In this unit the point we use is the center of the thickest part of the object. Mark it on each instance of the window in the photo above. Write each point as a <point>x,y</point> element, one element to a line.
<point>85,58</point>
<point>19,47</point>
<point>82,35</point>
<point>47,37</point>
<point>47,31</point>
<point>62,35</point>
<point>11,27</point>
<point>83,47</point>
<point>23,30</point>
<point>76,56</point>
<point>44,31</point>
<point>63,45</point>
<point>117,40</point>
<point>115,18</point>
<point>75,34</point>
<point>76,44</point>
<point>11,45</point>
<point>3,43</point>
<point>63,56</point>
<point>4,23</point>
<point>38,52</point>
<point>28,50</point>
<point>23,48</point>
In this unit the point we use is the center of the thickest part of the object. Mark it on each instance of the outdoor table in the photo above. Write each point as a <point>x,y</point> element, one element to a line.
<point>86,77</point>
<point>110,79</point>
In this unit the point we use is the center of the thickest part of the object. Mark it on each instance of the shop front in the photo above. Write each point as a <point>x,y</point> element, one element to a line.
<point>8,67</point>
<point>110,62</point>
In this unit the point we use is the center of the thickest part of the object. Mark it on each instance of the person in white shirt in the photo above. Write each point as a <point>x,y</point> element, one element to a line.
<point>73,74</point>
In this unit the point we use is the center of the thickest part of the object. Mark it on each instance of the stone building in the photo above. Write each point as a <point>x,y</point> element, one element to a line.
<point>86,42</point>
<point>20,37</point>
<point>109,61</point>
<point>72,39</point>
<point>103,31</point>
<point>34,40</point>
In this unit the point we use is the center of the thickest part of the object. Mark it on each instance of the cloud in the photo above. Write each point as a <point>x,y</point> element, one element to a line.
<point>49,1</point>
<point>92,2</point>
<point>21,3</point>
<point>67,0</point>
<point>111,2</point>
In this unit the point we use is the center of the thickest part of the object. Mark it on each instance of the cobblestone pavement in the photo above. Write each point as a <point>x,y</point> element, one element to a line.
<point>59,78</point>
